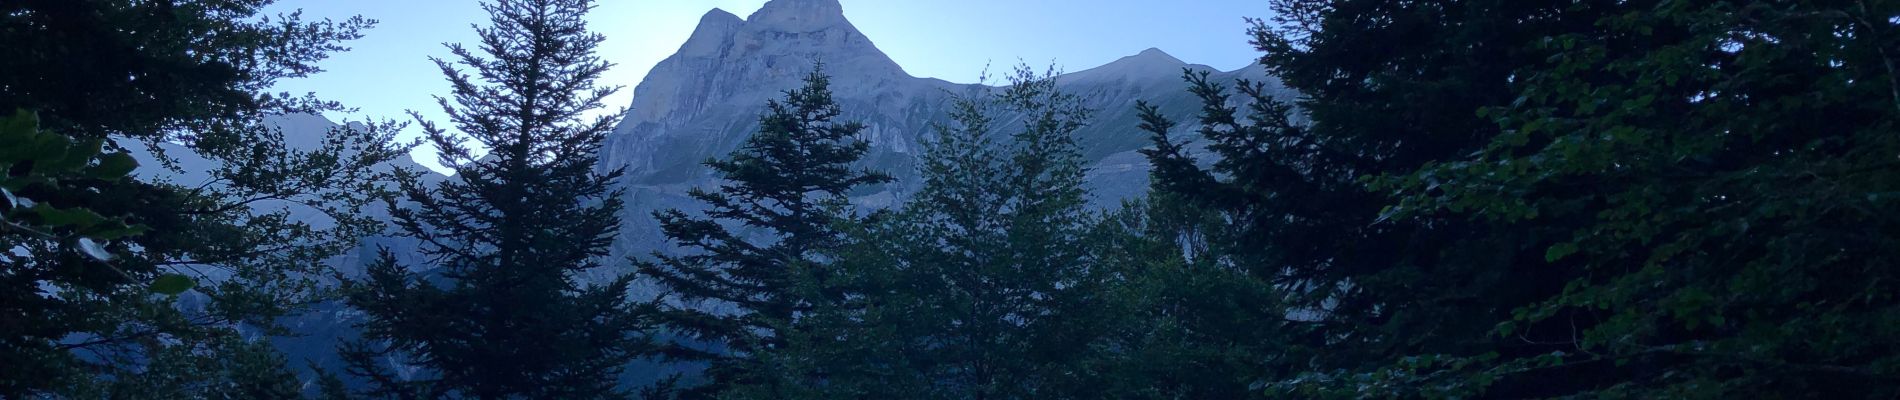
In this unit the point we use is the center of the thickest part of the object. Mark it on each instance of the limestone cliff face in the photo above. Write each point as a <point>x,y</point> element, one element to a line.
<point>705,99</point>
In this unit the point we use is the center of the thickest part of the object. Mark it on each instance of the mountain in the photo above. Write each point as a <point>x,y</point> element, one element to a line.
<point>704,100</point>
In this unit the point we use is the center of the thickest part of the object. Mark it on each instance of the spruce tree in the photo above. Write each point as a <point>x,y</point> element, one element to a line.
<point>789,182</point>
<point>1650,168</point>
<point>1288,181</point>
<point>1183,321</point>
<point>1001,226</point>
<point>115,286</point>
<point>979,287</point>
<point>500,313</point>
<point>1560,199</point>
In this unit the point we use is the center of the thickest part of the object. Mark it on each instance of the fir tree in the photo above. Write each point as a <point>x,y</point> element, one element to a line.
<point>1649,169</point>
<point>789,182</point>
<point>1349,284</point>
<point>501,313</point>
<point>1182,320</point>
<point>1000,227</point>
<point>1555,199</point>
<point>979,287</point>
<point>118,287</point>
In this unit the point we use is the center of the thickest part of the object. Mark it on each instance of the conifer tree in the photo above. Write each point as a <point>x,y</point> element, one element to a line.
<point>501,313</point>
<point>979,287</point>
<point>1560,199</point>
<point>1649,169</point>
<point>1000,226</point>
<point>790,182</point>
<point>121,278</point>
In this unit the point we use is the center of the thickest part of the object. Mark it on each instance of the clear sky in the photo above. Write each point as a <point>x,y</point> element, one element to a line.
<point>387,71</point>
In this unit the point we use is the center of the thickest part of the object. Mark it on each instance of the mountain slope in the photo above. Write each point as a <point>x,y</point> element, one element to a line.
<point>704,100</point>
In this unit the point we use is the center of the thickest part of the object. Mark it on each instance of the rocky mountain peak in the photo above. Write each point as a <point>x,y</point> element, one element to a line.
<point>1155,55</point>
<point>705,100</point>
<point>798,15</point>
<point>1150,62</point>
<point>714,29</point>
<point>729,58</point>
<point>732,66</point>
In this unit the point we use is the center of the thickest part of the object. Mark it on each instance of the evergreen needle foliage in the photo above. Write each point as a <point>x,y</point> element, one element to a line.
<point>501,311</point>
<point>1561,199</point>
<point>122,280</point>
<point>786,187</point>
<point>978,287</point>
<point>1433,199</point>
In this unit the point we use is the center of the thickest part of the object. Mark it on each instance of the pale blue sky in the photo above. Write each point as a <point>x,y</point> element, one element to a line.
<point>387,73</point>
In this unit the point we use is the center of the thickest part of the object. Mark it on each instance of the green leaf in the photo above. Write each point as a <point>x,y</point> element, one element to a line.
<point>77,217</point>
<point>115,230</point>
<point>76,155</point>
<point>43,152</point>
<point>113,166</point>
<point>23,119</point>
<point>1559,251</point>
<point>20,132</point>
<point>172,284</point>
<point>1506,328</point>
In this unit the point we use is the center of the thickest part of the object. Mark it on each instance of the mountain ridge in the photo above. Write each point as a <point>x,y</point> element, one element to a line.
<point>703,101</point>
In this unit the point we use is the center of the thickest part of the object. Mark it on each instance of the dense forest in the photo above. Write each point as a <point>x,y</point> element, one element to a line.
<point>1465,199</point>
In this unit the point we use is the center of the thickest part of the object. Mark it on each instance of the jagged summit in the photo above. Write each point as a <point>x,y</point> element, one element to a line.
<point>719,13</point>
<point>729,67</point>
<point>704,100</point>
<point>730,58</point>
<point>712,33</point>
<point>718,16</point>
<point>799,15</point>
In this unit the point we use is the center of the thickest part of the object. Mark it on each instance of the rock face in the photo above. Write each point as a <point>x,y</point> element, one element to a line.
<point>704,100</point>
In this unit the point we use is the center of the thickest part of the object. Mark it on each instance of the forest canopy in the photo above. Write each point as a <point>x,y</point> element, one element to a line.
<point>1422,199</point>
